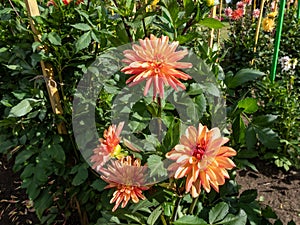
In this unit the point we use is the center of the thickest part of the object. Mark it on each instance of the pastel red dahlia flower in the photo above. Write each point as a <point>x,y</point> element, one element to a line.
<point>109,147</point>
<point>237,14</point>
<point>201,158</point>
<point>156,61</point>
<point>128,177</point>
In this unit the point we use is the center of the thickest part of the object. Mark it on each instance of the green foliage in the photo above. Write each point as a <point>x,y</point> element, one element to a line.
<point>56,177</point>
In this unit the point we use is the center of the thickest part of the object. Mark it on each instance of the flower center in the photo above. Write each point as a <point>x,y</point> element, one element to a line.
<point>156,67</point>
<point>199,151</point>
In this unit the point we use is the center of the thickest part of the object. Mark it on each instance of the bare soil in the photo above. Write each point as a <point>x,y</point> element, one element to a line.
<point>276,188</point>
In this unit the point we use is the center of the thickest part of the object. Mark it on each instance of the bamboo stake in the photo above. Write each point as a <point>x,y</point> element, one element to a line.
<point>220,15</point>
<point>47,69</point>
<point>258,28</point>
<point>211,37</point>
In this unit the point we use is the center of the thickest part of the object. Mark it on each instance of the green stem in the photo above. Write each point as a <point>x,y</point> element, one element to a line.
<point>163,219</point>
<point>177,203</point>
<point>159,121</point>
<point>192,207</point>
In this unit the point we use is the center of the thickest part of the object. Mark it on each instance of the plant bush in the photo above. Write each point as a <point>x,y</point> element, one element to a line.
<point>56,176</point>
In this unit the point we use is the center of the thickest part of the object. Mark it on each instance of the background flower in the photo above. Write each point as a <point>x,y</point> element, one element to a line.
<point>268,24</point>
<point>155,61</point>
<point>256,13</point>
<point>201,158</point>
<point>237,14</point>
<point>228,11</point>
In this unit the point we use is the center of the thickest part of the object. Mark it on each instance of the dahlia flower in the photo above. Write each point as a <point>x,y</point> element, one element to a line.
<point>66,2</point>
<point>240,5</point>
<point>202,159</point>
<point>155,60</point>
<point>128,177</point>
<point>237,14</point>
<point>109,147</point>
<point>228,11</point>
<point>256,13</point>
<point>268,24</point>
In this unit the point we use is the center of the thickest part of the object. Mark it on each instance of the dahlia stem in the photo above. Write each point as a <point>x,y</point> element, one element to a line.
<point>192,207</point>
<point>163,219</point>
<point>177,203</point>
<point>159,118</point>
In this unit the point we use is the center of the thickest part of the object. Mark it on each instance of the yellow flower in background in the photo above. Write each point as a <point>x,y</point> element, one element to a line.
<point>210,3</point>
<point>268,24</point>
<point>272,15</point>
<point>152,6</point>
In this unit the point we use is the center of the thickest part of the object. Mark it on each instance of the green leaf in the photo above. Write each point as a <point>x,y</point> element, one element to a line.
<point>243,76</point>
<point>211,23</point>
<point>57,153</point>
<point>98,185</point>
<point>23,156</point>
<point>248,196</point>
<point>230,219</point>
<point>81,26</point>
<point>218,212</point>
<point>248,104</point>
<point>172,136</point>
<point>83,41</point>
<point>264,120</point>
<point>81,176</point>
<point>43,202</point>
<point>156,166</point>
<point>154,216</point>
<point>54,38</point>
<point>251,138</point>
<point>190,220</point>
<point>21,109</point>
<point>189,6</point>
<point>268,137</point>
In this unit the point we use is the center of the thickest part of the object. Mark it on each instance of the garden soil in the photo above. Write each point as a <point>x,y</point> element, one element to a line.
<point>278,189</point>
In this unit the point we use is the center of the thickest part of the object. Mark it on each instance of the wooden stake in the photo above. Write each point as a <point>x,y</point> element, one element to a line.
<point>211,37</point>
<point>258,27</point>
<point>47,69</point>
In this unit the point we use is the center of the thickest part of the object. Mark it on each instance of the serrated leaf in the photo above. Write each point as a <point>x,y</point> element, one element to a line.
<point>211,23</point>
<point>81,26</point>
<point>21,109</point>
<point>156,166</point>
<point>54,38</point>
<point>248,104</point>
<point>230,219</point>
<point>154,216</point>
<point>218,212</point>
<point>243,76</point>
<point>268,137</point>
<point>83,41</point>
<point>190,220</point>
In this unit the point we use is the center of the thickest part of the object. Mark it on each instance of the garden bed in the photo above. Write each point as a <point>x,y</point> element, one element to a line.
<point>276,188</point>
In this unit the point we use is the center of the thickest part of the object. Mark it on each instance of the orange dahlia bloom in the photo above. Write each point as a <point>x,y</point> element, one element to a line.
<point>155,60</point>
<point>109,146</point>
<point>201,158</point>
<point>128,177</point>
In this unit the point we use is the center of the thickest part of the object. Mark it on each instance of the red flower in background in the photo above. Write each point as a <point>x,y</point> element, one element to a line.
<point>237,14</point>
<point>66,2</point>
